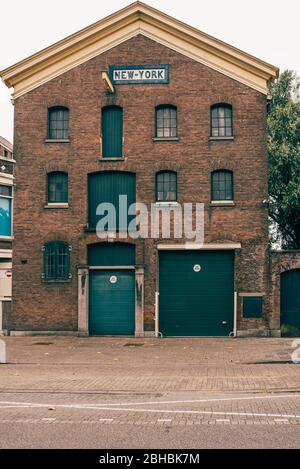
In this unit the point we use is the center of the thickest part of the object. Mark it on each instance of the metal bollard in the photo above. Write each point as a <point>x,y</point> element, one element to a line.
<point>2,352</point>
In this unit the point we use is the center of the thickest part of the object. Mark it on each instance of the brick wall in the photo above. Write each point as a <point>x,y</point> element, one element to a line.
<point>193,89</point>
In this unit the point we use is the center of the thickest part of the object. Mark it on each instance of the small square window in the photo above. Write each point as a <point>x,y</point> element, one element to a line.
<point>252,307</point>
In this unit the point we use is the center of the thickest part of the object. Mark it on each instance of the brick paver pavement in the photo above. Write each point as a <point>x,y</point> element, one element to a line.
<point>148,365</point>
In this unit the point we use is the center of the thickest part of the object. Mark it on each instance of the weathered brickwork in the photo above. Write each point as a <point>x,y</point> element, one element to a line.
<point>40,306</point>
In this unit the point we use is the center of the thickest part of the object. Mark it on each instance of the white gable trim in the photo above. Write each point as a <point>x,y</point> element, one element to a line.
<point>135,19</point>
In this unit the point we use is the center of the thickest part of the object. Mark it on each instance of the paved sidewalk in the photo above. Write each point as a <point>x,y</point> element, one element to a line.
<point>145,366</point>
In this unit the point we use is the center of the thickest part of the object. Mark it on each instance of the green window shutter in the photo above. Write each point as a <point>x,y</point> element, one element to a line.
<point>112,132</point>
<point>106,187</point>
<point>109,254</point>
<point>252,307</point>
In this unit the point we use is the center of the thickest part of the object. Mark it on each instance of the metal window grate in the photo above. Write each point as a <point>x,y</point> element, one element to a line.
<point>221,121</point>
<point>56,261</point>
<point>222,185</point>
<point>166,121</point>
<point>58,123</point>
<point>57,187</point>
<point>166,186</point>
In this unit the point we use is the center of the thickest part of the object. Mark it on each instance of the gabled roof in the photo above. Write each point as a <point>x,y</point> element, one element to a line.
<point>137,18</point>
<point>6,144</point>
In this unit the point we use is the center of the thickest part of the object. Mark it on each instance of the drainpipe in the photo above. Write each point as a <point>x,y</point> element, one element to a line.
<point>157,333</point>
<point>235,315</point>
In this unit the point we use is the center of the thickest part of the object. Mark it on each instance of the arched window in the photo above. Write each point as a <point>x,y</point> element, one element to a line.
<point>166,121</point>
<point>57,188</point>
<point>166,186</point>
<point>222,185</point>
<point>221,120</point>
<point>58,123</point>
<point>112,132</point>
<point>56,261</point>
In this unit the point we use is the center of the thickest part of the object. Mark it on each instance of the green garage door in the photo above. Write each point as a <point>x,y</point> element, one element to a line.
<point>112,291</point>
<point>196,293</point>
<point>112,302</point>
<point>290,298</point>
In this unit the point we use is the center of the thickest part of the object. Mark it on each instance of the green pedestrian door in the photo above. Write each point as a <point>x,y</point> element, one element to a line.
<point>196,293</point>
<point>290,299</point>
<point>112,302</point>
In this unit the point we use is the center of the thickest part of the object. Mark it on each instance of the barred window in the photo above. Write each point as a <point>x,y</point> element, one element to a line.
<point>166,121</point>
<point>221,120</point>
<point>166,186</point>
<point>57,187</point>
<point>56,261</point>
<point>222,185</point>
<point>58,122</point>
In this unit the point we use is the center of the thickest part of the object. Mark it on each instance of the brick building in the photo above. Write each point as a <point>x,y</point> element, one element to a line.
<point>6,208</point>
<point>140,104</point>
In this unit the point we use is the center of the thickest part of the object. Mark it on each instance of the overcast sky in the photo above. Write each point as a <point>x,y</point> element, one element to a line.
<point>268,29</point>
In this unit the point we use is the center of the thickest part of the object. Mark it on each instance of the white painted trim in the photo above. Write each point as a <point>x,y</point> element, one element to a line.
<point>6,253</point>
<point>135,19</point>
<point>166,204</point>
<point>199,247</point>
<point>5,265</point>
<point>6,238</point>
<point>222,203</point>
<point>53,205</point>
<point>7,179</point>
<point>107,82</point>
<point>9,160</point>
<point>112,267</point>
<point>43,333</point>
<point>251,295</point>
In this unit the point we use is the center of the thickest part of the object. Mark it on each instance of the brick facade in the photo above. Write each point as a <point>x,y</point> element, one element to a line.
<point>193,88</point>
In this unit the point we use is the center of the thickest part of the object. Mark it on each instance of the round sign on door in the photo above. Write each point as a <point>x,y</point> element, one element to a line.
<point>113,279</point>
<point>197,268</point>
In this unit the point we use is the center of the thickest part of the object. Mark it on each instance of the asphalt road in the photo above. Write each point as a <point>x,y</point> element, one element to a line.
<point>149,421</point>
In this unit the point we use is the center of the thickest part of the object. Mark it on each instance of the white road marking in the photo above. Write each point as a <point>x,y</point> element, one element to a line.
<point>164,420</point>
<point>106,420</point>
<point>190,401</point>
<point>199,401</point>
<point>281,420</point>
<point>222,420</point>
<point>22,405</point>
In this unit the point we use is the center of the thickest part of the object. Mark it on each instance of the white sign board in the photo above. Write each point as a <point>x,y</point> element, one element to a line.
<point>139,74</point>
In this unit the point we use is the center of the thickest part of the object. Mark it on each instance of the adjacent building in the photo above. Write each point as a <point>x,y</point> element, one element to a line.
<point>6,229</point>
<point>142,105</point>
